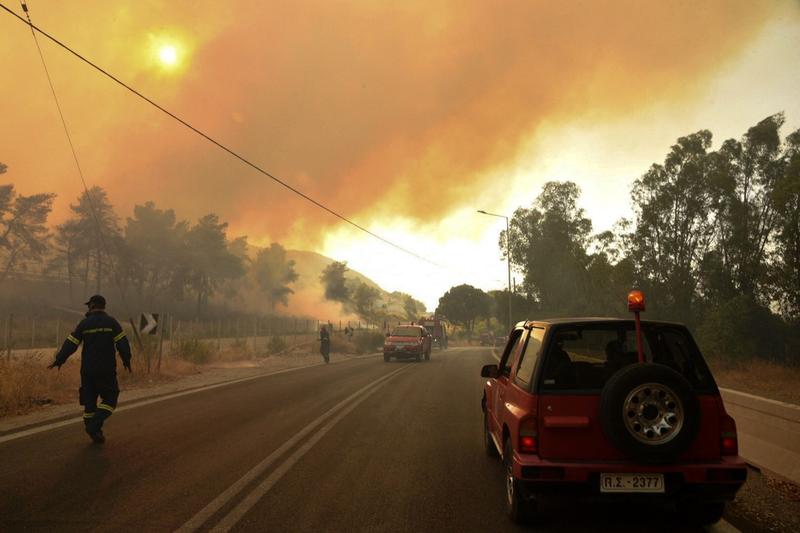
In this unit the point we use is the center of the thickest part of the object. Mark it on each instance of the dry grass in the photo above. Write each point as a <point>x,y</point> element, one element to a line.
<point>26,383</point>
<point>762,378</point>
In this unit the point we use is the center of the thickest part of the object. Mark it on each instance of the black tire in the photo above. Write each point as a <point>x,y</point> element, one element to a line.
<point>519,509</point>
<point>488,442</point>
<point>701,514</point>
<point>614,424</point>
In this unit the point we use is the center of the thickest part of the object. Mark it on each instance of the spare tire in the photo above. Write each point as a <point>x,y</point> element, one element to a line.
<point>649,412</point>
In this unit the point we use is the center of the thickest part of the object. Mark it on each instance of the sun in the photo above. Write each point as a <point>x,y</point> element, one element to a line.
<point>168,55</point>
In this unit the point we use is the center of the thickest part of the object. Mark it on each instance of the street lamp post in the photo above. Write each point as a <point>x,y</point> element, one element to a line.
<point>508,260</point>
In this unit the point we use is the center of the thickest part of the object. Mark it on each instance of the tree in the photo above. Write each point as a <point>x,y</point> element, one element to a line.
<point>156,242</point>
<point>364,298</point>
<point>464,304</point>
<point>211,262</point>
<point>23,233</point>
<point>611,271</point>
<point>91,239</point>
<point>786,271</point>
<point>747,173</point>
<point>274,273</point>
<point>673,228</point>
<point>334,282</point>
<point>523,307</point>
<point>411,307</point>
<point>548,244</point>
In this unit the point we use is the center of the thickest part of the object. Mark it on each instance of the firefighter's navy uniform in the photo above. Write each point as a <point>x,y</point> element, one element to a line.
<point>102,337</point>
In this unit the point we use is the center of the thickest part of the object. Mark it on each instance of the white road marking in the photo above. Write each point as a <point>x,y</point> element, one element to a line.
<point>197,521</point>
<point>62,423</point>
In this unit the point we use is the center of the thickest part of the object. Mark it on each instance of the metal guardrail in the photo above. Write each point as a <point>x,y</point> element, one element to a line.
<point>769,432</point>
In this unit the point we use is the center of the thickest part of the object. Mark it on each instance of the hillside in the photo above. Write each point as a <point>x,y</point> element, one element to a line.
<point>309,292</point>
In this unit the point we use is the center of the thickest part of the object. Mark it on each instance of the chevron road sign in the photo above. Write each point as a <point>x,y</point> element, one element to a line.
<point>148,323</point>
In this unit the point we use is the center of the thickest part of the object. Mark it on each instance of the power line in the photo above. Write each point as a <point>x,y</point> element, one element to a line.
<point>92,206</point>
<point>210,139</point>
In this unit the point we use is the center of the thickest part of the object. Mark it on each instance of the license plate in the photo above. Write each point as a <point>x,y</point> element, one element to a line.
<point>632,483</point>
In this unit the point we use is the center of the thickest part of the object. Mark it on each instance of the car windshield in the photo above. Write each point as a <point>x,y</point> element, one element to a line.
<point>585,356</point>
<point>406,332</point>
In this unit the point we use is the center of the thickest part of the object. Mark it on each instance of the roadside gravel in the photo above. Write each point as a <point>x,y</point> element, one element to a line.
<point>766,503</point>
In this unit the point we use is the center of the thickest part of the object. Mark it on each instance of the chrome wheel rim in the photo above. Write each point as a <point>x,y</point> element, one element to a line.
<point>509,477</point>
<point>509,485</point>
<point>653,414</point>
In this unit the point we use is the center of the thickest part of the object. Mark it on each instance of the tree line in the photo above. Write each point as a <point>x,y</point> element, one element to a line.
<point>714,242</point>
<point>153,260</point>
<point>366,300</point>
<point>150,259</point>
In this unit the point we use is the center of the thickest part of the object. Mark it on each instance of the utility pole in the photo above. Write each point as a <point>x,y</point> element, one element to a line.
<point>508,260</point>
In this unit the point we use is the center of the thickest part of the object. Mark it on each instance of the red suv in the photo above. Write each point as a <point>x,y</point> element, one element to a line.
<point>407,341</point>
<point>588,408</point>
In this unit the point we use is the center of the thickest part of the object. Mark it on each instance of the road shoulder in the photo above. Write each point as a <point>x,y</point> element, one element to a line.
<point>204,376</point>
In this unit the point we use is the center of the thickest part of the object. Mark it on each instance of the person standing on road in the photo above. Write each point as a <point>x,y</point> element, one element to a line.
<point>102,337</point>
<point>325,344</point>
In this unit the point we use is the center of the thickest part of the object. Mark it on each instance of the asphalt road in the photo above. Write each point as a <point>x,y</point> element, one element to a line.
<point>357,446</point>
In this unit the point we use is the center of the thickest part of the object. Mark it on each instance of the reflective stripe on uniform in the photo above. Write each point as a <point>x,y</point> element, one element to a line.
<point>98,330</point>
<point>72,339</point>
<point>106,407</point>
<point>119,337</point>
<point>88,415</point>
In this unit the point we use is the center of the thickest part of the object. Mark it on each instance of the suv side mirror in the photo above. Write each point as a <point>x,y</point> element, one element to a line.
<point>489,371</point>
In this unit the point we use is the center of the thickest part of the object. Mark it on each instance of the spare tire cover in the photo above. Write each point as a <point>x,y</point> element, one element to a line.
<point>649,412</point>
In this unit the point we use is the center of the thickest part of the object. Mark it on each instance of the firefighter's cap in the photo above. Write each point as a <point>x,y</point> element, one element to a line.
<point>97,301</point>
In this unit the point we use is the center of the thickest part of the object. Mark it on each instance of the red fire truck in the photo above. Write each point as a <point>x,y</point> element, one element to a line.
<point>437,327</point>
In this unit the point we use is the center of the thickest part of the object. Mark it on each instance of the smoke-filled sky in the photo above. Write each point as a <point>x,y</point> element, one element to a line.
<point>405,116</point>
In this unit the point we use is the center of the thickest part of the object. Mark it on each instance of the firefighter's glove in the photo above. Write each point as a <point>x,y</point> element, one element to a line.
<point>54,364</point>
<point>127,366</point>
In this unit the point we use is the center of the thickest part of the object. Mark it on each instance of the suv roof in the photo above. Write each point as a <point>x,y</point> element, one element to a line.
<point>408,326</point>
<point>588,320</point>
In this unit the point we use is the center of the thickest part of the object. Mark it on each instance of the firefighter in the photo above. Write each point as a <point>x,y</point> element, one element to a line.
<point>102,337</point>
<point>325,344</point>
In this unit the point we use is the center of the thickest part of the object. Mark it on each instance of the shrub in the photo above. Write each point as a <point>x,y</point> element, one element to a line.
<point>277,345</point>
<point>739,329</point>
<point>340,344</point>
<point>241,346</point>
<point>368,341</point>
<point>192,350</point>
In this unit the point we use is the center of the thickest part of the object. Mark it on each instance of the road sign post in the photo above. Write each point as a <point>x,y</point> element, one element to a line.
<point>9,332</point>
<point>160,348</point>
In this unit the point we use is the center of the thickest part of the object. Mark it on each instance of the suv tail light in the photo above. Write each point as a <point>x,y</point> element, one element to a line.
<point>528,435</point>
<point>729,444</point>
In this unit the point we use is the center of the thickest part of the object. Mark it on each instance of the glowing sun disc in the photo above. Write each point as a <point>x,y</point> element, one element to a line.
<point>168,55</point>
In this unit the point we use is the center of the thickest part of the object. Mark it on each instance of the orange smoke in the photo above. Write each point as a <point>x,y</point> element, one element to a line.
<point>406,106</point>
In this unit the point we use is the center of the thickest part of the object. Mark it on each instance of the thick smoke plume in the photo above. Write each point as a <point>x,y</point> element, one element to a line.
<point>408,106</point>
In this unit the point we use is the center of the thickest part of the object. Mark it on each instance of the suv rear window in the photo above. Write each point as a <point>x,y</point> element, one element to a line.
<point>407,332</point>
<point>583,357</point>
